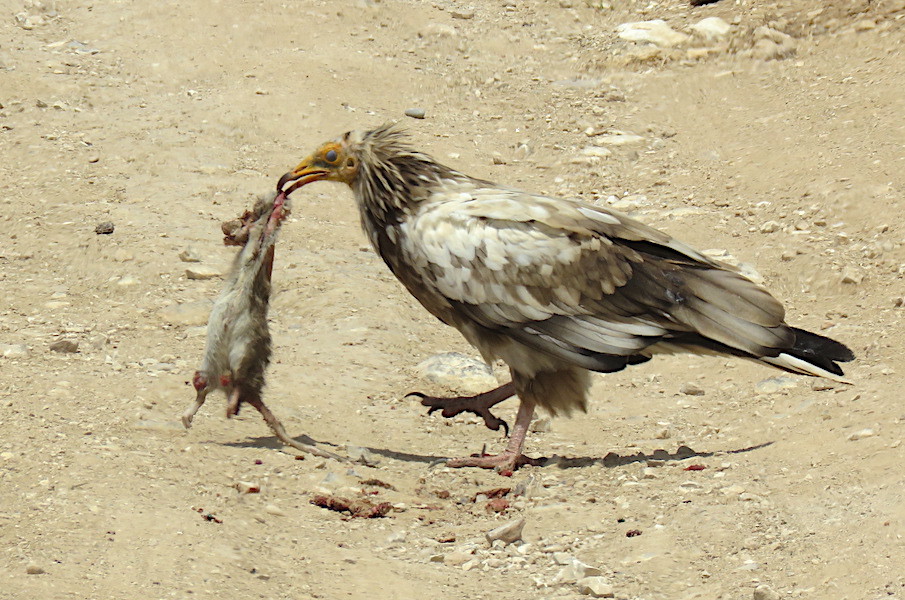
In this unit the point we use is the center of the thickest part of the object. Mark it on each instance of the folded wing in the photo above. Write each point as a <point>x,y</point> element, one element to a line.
<point>583,283</point>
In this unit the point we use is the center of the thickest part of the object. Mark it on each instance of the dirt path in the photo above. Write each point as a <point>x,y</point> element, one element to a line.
<point>780,146</point>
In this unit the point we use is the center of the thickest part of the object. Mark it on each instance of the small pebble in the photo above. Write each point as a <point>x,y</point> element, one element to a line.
<point>190,255</point>
<point>596,587</point>
<point>65,346</point>
<point>690,389</point>
<point>851,275</point>
<point>123,255</point>
<point>188,313</point>
<point>456,558</point>
<point>861,434</point>
<point>247,487</point>
<point>201,272</point>
<point>765,592</point>
<point>576,570</point>
<point>104,228</point>
<point>34,569</point>
<point>13,350</point>
<point>274,510</point>
<point>774,385</point>
<point>415,113</point>
<point>362,455</point>
<point>509,533</point>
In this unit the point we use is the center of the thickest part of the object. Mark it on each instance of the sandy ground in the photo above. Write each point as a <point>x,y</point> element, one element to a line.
<point>166,118</point>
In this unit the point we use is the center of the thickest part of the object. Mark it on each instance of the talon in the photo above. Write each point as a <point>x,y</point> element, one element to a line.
<point>479,404</point>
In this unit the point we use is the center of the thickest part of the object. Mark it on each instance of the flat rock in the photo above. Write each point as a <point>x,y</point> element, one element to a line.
<point>619,138</point>
<point>861,434</point>
<point>202,272</point>
<point>457,558</point>
<point>65,346</point>
<point>187,313</point>
<point>509,533</point>
<point>711,28</point>
<point>596,151</point>
<point>13,350</point>
<point>655,32</point>
<point>457,371</point>
<point>775,385</point>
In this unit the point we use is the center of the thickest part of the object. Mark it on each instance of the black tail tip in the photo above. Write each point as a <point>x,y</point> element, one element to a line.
<point>811,345</point>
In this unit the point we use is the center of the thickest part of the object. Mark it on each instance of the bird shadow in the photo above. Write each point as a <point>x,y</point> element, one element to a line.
<point>611,460</point>
<point>275,443</point>
<point>271,441</point>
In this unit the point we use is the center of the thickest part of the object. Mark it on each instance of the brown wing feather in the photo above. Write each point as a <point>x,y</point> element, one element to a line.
<point>578,280</point>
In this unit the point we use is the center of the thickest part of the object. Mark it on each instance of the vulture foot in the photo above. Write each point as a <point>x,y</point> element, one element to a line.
<point>479,404</point>
<point>505,462</point>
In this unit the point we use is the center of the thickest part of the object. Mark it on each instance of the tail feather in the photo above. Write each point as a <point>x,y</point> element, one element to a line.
<point>814,354</point>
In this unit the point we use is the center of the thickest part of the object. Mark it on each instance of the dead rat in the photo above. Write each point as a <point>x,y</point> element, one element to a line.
<point>238,338</point>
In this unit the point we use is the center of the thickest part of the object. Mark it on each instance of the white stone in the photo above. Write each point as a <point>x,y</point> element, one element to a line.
<point>440,30</point>
<point>861,434</point>
<point>190,255</point>
<point>456,558</point>
<point>188,313</point>
<point>13,350</point>
<point>765,592</point>
<point>596,587</point>
<point>619,138</point>
<point>574,571</point>
<point>655,32</point>
<point>711,28</point>
<point>509,533</point>
<point>202,272</point>
<point>459,372</point>
<point>775,385</point>
<point>127,281</point>
<point>596,151</point>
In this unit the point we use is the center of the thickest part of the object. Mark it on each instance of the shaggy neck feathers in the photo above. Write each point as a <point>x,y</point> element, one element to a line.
<point>393,178</point>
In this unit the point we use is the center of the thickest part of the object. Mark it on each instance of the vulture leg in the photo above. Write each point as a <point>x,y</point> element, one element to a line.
<point>511,458</point>
<point>478,404</point>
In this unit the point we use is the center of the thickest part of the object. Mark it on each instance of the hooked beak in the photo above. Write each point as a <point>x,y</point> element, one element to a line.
<point>303,174</point>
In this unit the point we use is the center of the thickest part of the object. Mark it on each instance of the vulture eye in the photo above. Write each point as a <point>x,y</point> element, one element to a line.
<point>330,156</point>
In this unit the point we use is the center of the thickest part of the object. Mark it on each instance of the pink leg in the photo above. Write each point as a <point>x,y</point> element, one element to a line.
<point>511,458</point>
<point>277,428</point>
